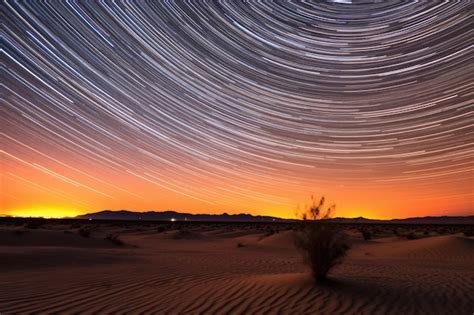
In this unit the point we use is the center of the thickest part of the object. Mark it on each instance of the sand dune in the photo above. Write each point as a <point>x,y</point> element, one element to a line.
<point>200,274</point>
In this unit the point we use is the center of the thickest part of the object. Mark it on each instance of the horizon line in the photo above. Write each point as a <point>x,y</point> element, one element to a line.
<point>225,213</point>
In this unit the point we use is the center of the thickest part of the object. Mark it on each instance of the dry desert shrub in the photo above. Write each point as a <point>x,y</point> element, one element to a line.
<point>115,239</point>
<point>183,233</point>
<point>75,226</point>
<point>160,229</point>
<point>34,224</point>
<point>18,232</point>
<point>84,232</point>
<point>442,231</point>
<point>269,232</point>
<point>366,234</point>
<point>323,244</point>
<point>469,232</point>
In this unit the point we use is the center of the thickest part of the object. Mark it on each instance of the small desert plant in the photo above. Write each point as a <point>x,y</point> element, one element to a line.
<point>34,224</point>
<point>115,239</point>
<point>240,245</point>
<point>269,233</point>
<point>323,244</point>
<point>411,236</point>
<point>376,230</point>
<point>84,232</point>
<point>160,229</point>
<point>366,234</point>
<point>469,232</point>
<point>182,234</point>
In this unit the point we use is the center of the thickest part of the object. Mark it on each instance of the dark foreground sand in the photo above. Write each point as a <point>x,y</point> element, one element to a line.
<point>204,271</point>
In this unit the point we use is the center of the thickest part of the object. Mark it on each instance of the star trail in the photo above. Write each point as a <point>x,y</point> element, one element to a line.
<point>238,107</point>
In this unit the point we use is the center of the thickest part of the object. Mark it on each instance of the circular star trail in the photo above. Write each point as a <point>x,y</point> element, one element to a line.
<point>241,106</point>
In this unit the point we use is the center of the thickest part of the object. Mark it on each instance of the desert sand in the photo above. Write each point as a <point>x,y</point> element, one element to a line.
<point>212,269</point>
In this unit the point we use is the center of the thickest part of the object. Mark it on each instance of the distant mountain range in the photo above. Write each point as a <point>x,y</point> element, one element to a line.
<point>244,217</point>
<point>177,216</point>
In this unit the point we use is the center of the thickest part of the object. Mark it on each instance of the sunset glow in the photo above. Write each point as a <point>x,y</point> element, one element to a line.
<point>44,212</point>
<point>114,107</point>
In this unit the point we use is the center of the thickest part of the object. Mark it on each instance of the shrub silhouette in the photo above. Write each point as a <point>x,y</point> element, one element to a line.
<point>269,232</point>
<point>469,232</point>
<point>34,224</point>
<point>115,239</point>
<point>323,244</point>
<point>183,234</point>
<point>411,236</point>
<point>84,232</point>
<point>160,229</point>
<point>366,234</point>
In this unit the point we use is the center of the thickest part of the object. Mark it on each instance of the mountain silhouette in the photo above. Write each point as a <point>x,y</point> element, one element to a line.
<point>245,217</point>
<point>177,216</point>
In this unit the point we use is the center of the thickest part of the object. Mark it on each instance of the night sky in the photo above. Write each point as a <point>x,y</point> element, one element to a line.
<point>232,107</point>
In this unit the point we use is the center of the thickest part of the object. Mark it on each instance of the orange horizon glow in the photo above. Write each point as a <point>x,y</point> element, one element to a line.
<point>23,196</point>
<point>27,190</point>
<point>42,187</point>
